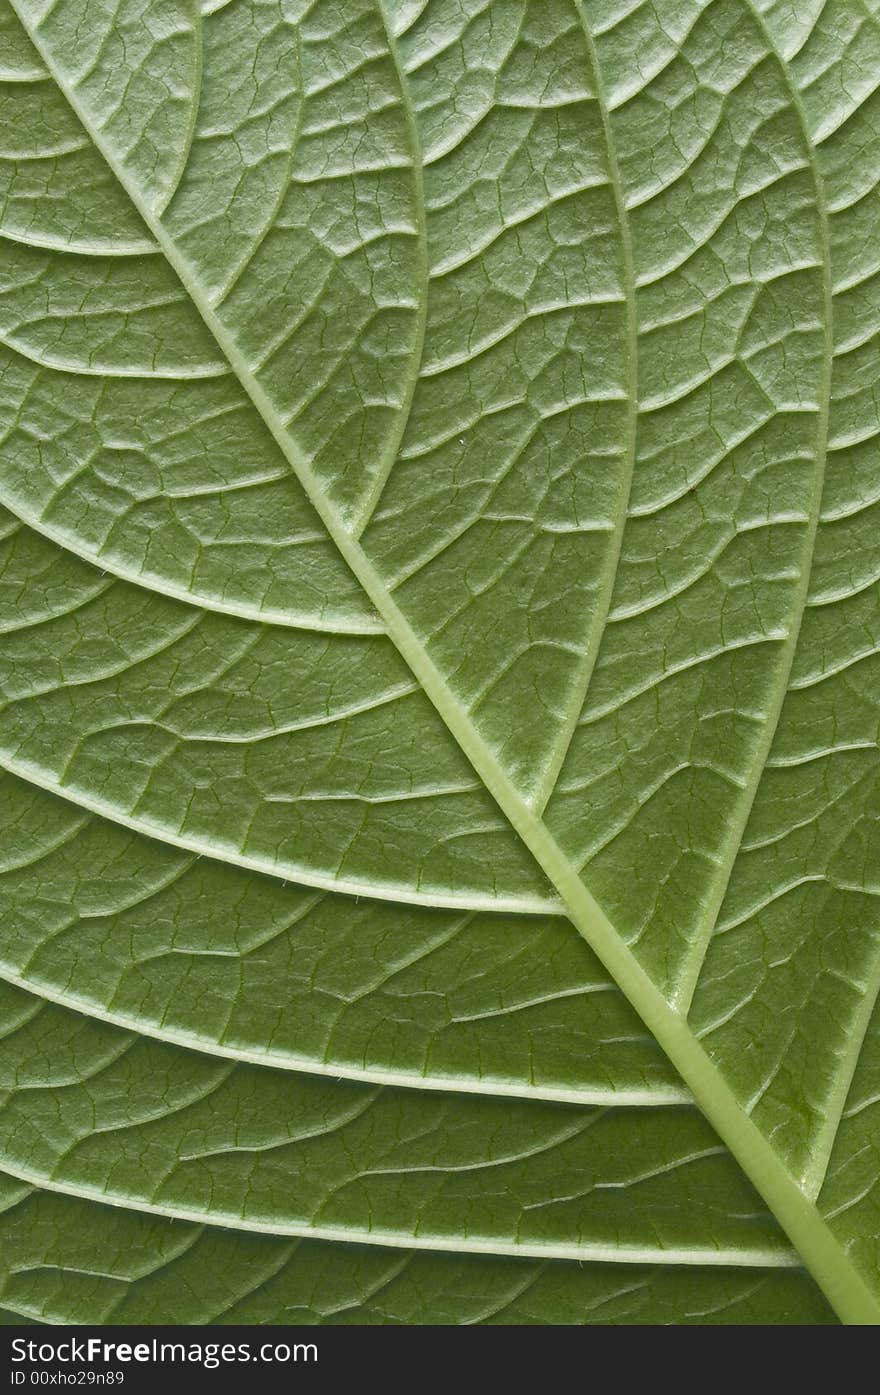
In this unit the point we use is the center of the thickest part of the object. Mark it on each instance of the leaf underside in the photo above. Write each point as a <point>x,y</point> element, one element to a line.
<point>439,501</point>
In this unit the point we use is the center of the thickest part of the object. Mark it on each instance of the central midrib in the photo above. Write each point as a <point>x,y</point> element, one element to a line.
<point>820,1251</point>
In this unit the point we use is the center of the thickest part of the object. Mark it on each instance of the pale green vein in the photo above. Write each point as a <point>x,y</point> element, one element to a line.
<point>689,974</point>
<point>195,16</point>
<point>586,1252</point>
<point>237,271</point>
<point>654,1097</point>
<point>399,893</point>
<point>584,672</point>
<point>857,1029</point>
<point>24,75</point>
<point>89,247</point>
<point>78,368</point>
<point>389,457</point>
<point>151,581</point>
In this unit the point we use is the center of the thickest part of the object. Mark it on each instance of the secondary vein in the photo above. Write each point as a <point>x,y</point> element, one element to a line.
<point>584,673</point>
<point>687,980</point>
<point>392,446</point>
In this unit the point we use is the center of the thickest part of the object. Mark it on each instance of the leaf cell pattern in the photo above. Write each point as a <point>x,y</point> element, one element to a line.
<point>440,630</point>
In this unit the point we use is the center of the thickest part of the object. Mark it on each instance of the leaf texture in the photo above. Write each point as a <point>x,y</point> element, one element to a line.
<point>439,598</point>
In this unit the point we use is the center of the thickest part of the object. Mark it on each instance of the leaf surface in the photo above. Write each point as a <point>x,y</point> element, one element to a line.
<point>439,669</point>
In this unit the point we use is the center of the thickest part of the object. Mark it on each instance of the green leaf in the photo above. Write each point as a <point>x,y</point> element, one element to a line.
<point>440,612</point>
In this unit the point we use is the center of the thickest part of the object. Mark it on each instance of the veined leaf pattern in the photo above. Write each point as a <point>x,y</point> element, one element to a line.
<point>440,629</point>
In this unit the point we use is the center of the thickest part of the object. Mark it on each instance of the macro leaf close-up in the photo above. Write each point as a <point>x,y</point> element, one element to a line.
<point>440,662</point>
